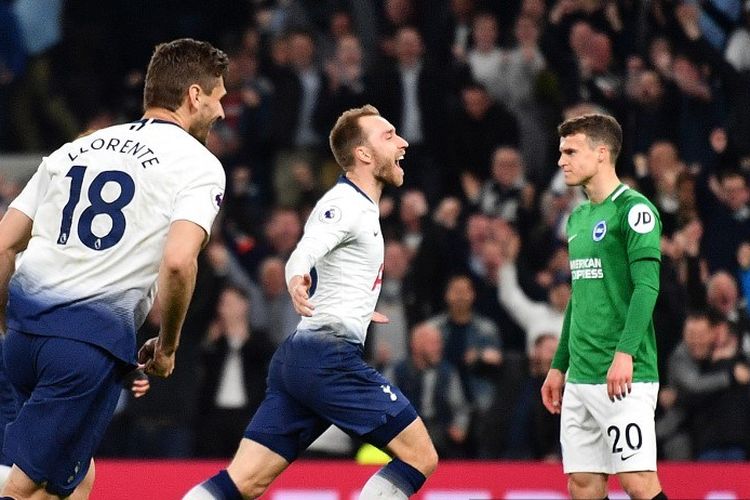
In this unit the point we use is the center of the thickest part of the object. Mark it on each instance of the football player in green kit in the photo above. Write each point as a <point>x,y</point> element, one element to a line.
<point>608,345</point>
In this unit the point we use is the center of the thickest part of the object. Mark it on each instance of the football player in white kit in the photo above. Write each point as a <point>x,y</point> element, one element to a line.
<point>318,377</point>
<point>105,219</point>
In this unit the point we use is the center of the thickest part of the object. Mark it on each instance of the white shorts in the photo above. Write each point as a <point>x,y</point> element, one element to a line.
<point>598,435</point>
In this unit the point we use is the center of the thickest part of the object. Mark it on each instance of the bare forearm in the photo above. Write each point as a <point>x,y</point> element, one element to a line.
<point>15,233</point>
<point>7,267</point>
<point>176,287</point>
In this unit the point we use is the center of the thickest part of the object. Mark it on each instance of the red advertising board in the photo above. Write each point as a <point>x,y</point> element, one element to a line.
<point>341,480</point>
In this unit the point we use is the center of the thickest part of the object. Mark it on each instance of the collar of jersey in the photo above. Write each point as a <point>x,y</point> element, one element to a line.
<point>156,120</point>
<point>618,191</point>
<point>344,180</point>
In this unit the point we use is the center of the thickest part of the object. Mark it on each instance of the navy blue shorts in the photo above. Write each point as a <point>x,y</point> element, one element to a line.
<point>316,379</point>
<point>8,408</point>
<point>67,392</point>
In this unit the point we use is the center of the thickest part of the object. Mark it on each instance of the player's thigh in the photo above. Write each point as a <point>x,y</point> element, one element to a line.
<point>329,376</point>
<point>76,389</point>
<point>584,448</point>
<point>628,426</point>
<point>283,423</point>
<point>358,400</point>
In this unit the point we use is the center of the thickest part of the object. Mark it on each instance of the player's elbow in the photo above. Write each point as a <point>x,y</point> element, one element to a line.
<point>178,266</point>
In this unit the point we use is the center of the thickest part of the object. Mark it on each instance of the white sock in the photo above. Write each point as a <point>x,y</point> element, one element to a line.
<point>379,488</point>
<point>199,493</point>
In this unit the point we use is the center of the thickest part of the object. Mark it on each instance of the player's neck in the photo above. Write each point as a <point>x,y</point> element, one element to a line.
<point>166,115</point>
<point>601,186</point>
<point>372,187</point>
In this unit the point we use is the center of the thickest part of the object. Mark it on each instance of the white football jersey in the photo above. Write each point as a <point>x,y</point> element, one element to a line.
<point>342,249</point>
<point>102,206</point>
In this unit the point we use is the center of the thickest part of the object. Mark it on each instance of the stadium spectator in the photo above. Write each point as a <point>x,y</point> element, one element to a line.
<point>723,206</point>
<point>272,311</point>
<point>35,102</point>
<point>481,126</point>
<point>684,381</point>
<point>12,63</point>
<point>658,174</point>
<point>296,132</point>
<point>536,318</point>
<point>472,342</point>
<point>346,80</point>
<point>507,194</point>
<point>234,363</point>
<point>525,71</point>
<point>415,93</point>
<point>389,341</point>
<point>432,382</point>
<point>707,396</point>
<point>434,250</point>
<point>518,426</point>
<point>722,294</point>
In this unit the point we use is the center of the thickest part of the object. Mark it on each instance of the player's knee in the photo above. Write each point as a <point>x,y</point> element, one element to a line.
<point>586,486</point>
<point>423,457</point>
<point>252,486</point>
<point>431,460</point>
<point>251,482</point>
<point>640,485</point>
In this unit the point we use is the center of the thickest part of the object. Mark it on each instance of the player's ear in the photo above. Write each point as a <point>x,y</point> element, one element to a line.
<point>362,154</point>
<point>194,94</point>
<point>601,153</point>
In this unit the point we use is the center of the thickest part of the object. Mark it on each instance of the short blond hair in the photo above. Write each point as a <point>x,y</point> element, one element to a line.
<point>347,134</point>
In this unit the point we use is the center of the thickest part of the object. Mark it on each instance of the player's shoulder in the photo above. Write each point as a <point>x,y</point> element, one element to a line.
<point>345,204</point>
<point>183,152</point>
<point>630,198</point>
<point>637,212</point>
<point>346,191</point>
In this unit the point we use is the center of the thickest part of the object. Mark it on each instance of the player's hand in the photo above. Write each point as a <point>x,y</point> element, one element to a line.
<point>299,287</point>
<point>620,376</point>
<point>552,390</point>
<point>137,382</point>
<point>379,317</point>
<point>155,360</point>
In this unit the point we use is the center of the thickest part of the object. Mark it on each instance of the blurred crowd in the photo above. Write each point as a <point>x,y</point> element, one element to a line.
<point>476,276</point>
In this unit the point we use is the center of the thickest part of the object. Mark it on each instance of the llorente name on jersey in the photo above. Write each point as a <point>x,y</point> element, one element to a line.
<point>586,269</point>
<point>128,147</point>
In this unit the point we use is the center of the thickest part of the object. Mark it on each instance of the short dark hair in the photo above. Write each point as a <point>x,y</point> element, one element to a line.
<point>347,134</point>
<point>177,65</point>
<point>598,128</point>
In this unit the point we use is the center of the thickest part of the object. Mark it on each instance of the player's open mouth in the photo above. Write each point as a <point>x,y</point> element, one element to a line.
<point>398,161</point>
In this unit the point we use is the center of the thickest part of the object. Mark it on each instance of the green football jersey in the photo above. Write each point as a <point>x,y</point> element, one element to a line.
<point>604,239</point>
